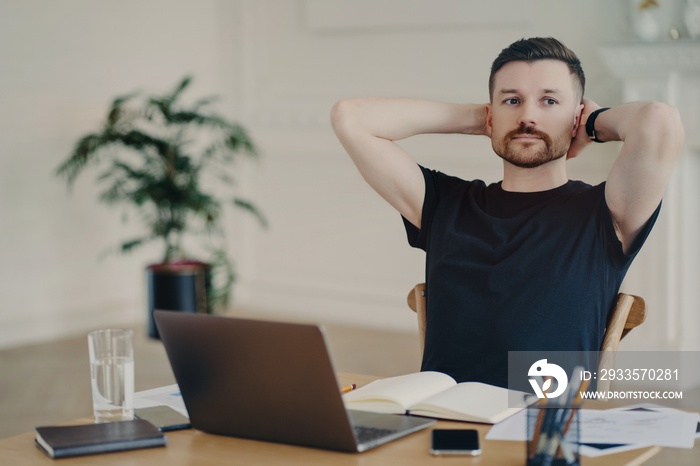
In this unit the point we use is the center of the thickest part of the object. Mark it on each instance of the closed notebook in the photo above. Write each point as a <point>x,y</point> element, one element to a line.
<point>436,395</point>
<point>88,439</point>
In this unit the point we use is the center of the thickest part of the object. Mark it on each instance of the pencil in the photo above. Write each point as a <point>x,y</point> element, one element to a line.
<point>348,388</point>
<point>567,418</point>
<point>577,403</point>
<point>536,434</point>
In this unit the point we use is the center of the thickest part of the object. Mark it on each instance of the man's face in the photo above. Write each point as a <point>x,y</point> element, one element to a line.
<point>535,111</point>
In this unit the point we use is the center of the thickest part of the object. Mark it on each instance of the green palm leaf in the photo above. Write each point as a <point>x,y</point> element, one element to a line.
<point>153,151</point>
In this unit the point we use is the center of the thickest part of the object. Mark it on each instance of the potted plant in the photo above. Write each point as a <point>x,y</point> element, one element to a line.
<point>163,160</point>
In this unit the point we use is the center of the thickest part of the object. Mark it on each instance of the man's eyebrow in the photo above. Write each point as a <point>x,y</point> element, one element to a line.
<point>515,91</point>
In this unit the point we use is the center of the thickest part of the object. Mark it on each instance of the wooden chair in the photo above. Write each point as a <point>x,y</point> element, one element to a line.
<point>629,312</point>
<point>416,301</point>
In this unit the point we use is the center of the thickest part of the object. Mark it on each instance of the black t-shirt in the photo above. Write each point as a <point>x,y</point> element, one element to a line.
<point>512,271</point>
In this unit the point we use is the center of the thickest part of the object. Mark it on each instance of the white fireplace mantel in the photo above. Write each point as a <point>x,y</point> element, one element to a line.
<point>652,59</point>
<point>664,71</point>
<point>667,272</point>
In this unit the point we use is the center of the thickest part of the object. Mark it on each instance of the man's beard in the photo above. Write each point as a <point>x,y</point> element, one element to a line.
<point>529,157</point>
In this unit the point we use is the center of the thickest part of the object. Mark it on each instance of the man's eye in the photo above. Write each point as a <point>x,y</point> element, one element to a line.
<point>550,101</point>
<point>511,101</point>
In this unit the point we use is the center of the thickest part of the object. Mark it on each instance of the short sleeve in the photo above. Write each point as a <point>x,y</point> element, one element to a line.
<point>617,256</point>
<point>418,237</point>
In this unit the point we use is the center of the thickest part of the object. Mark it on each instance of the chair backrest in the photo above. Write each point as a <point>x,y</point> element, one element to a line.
<point>629,312</point>
<point>416,301</point>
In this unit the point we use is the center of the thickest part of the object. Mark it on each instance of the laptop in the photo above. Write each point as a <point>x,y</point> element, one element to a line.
<point>271,381</point>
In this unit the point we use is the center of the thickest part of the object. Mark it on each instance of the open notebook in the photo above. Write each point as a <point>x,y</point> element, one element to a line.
<point>436,395</point>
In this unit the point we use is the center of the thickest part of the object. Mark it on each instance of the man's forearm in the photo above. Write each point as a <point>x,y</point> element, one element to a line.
<point>640,123</point>
<point>395,118</point>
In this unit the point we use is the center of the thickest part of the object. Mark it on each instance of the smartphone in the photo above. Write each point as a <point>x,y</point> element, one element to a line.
<point>164,418</point>
<point>455,442</point>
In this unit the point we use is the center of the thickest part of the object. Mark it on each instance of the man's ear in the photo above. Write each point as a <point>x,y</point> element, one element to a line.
<point>489,122</point>
<point>577,120</point>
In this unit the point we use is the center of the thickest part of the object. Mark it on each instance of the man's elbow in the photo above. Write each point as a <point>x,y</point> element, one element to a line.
<point>663,122</point>
<point>342,116</point>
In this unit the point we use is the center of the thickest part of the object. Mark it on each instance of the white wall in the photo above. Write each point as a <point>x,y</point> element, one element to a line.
<point>334,251</point>
<point>61,65</point>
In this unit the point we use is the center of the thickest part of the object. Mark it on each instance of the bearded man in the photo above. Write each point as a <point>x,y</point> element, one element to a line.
<point>534,262</point>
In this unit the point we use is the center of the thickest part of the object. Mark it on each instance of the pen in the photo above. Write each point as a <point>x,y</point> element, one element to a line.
<point>348,388</point>
<point>563,422</point>
<point>577,403</point>
<point>538,430</point>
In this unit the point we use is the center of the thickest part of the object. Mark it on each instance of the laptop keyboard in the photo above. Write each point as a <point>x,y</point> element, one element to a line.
<point>366,434</point>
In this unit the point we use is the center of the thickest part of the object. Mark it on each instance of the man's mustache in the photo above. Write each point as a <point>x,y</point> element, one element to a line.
<point>530,131</point>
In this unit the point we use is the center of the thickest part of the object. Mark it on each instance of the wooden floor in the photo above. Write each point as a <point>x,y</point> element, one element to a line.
<point>50,383</point>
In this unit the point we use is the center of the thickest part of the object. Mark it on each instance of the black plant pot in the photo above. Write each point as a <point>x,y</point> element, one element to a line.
<point>182,286</point>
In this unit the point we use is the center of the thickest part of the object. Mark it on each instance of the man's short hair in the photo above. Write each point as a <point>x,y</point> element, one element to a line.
<point>537,48</point>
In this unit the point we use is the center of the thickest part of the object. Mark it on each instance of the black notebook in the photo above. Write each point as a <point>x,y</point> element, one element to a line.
<point>88,439</point>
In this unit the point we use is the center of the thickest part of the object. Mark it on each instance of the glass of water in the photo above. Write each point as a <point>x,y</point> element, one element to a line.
<point>112,374</point>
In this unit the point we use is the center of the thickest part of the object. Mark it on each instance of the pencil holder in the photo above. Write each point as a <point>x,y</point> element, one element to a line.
<point>552,436</point>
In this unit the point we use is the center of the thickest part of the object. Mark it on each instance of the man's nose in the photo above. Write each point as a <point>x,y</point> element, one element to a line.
<point>528,115</point>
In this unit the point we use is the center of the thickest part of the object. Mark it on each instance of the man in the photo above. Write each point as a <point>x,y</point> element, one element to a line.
<point>532,263</point>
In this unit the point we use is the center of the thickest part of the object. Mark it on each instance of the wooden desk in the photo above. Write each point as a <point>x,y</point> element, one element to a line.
<point>192,447</point>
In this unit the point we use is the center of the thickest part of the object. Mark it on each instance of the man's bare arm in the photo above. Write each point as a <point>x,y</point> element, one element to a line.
<point>652,135</point>
<point>368,128</point>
